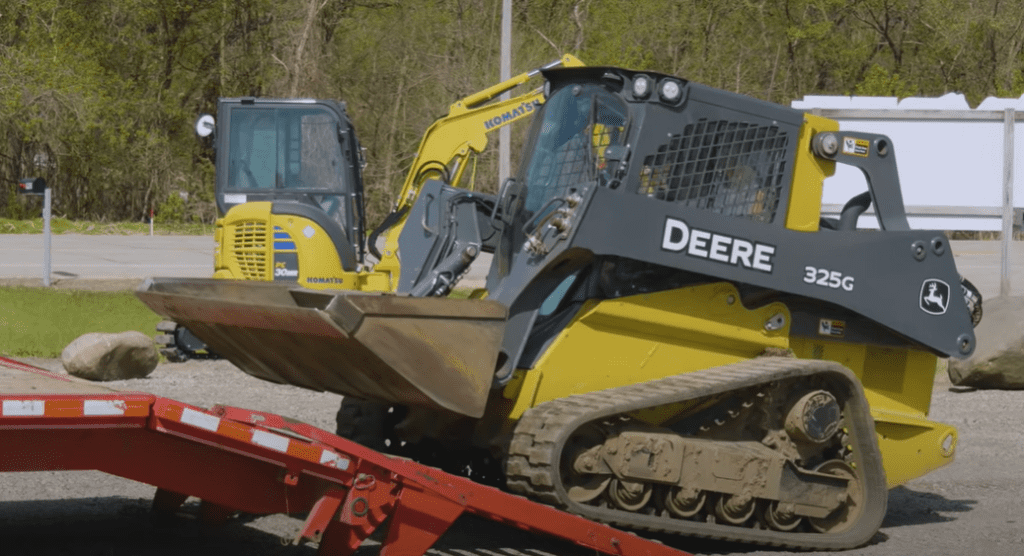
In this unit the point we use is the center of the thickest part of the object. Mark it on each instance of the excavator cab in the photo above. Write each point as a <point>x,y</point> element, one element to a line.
<point>281,161</point>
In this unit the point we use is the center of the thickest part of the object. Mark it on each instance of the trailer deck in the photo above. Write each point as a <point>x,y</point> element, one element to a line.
<point>240,460</point>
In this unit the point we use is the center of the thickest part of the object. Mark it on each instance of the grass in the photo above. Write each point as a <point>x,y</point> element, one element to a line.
<point>65,226</point>
<point>40,322</point>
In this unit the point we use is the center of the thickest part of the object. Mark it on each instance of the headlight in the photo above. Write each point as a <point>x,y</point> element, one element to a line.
<point>641,86</point>
<point>670,91</point>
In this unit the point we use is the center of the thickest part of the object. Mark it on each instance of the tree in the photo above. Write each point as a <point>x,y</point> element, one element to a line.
<point>99,96</point>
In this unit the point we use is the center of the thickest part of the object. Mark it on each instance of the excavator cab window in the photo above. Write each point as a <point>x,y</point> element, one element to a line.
<point>288,153</point>
<point>568,148</point>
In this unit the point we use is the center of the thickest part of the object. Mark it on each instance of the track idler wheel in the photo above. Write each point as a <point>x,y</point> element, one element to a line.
<point>589,489</point>
<point>849,512</point>
<point>583,487</point>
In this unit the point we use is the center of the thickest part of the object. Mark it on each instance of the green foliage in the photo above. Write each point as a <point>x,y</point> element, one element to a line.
<point>99,97</point>
<point>879,82</point>
<point>18,206</point>
<point>171,210</point>
<point>40,322</point>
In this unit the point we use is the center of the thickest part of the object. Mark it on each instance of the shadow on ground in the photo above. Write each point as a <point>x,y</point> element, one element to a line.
<point>910,507</point>
<point>118,526</point>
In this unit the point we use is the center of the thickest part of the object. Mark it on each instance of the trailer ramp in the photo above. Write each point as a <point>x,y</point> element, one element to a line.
<point>240,460</point>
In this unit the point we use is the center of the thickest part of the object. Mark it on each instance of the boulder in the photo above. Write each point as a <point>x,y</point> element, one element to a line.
<point>101,356</point>
<point>998,358</point>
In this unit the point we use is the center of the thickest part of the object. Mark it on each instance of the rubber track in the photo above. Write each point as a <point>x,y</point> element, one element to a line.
<point>167,345</point>
<point>532,467</point>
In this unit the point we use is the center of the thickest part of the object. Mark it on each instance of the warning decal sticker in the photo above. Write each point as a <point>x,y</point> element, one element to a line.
<point>831,328</point>
<point>856,147</point>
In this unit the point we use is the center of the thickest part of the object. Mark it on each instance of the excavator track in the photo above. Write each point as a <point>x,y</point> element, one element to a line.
<point>540,466</point>
<point>177,344</point>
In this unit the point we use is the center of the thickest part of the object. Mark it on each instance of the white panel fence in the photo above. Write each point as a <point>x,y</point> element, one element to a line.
<point>956,164</point>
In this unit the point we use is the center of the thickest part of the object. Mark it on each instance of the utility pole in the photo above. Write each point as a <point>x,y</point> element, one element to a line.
<point>37,186</point>
<point>505,133</point>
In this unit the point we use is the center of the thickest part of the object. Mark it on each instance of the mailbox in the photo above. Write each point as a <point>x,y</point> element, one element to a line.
<point>32,186</point>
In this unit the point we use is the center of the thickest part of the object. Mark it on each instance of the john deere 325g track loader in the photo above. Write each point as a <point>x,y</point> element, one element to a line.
<point>671,338</point>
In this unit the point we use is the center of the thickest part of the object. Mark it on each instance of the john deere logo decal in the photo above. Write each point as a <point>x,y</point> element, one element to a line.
<point>713,246</point>
<point>934,296</point>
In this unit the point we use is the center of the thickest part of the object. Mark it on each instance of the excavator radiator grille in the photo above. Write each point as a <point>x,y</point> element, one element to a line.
<point>732,168</point>
<point>249,249</point>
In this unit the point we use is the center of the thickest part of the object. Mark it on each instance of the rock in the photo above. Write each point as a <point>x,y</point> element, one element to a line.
<point>102,356</point>
<point>998,359</point>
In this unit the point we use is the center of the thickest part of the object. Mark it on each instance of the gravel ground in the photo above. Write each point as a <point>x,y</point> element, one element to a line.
<point>970,507</point>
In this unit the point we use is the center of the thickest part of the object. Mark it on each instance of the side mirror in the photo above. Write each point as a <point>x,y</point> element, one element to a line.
<point>32,186</point>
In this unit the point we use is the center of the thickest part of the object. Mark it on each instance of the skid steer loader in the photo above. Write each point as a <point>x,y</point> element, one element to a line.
<point>289,184</point>
<point>672,338</point>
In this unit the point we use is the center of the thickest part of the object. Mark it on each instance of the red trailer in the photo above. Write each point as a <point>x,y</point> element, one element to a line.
<point>238,460</point>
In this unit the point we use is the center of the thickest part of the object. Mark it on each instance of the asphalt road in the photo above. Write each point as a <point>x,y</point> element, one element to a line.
<point>103,257</point>
<point>85,258</point>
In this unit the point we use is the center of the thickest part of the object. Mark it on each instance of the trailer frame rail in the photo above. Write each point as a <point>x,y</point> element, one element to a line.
<point>241,460</point>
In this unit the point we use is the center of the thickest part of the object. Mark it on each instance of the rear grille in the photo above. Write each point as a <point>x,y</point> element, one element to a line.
<point>731,168</point>
<point>249,249</point>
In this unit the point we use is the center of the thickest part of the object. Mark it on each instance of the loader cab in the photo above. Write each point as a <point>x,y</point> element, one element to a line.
<point>301,155</point>
<point>625,134</point>
<point>578,138</point>
<point>569,146</point>
<point>613,154</point>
